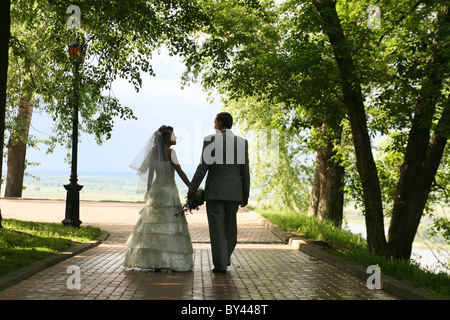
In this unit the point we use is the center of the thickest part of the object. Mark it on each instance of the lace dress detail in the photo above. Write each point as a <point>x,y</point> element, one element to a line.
<point>160,239</point>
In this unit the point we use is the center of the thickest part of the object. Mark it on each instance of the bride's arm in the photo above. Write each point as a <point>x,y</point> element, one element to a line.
<point>177,167</point>
<point>150,177</point>
<point>182,174</point>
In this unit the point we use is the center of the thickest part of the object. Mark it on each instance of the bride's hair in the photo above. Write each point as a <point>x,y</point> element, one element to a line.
<point>151,156</point>
<point>165,131</point>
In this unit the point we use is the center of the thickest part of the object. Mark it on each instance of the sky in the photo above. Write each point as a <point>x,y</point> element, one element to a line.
<point>160,101</point>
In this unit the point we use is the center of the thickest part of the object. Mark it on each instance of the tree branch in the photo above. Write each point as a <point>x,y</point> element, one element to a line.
<point>396,23</point>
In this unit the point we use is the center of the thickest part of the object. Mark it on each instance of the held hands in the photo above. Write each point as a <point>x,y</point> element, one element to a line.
<point>191,196</point>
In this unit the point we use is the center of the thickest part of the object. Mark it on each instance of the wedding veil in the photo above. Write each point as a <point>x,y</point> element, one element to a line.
<point>150,160</point>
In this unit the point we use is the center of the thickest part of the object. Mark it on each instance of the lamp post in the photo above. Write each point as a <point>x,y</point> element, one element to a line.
<point>76,53</point>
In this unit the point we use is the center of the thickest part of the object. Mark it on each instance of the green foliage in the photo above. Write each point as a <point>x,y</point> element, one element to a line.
<point>121,37</point>
<point>441,226</point>
<point>278,173</point>
<point>274,74</point>
<point>311,228</point>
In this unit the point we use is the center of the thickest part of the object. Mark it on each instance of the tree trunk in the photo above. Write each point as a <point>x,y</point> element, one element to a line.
<point>422,156</point>
<point>17,148</point>
<point>326,201</point>
<point>353,99</point>
<point>5,33</point>
<point>408,208</point>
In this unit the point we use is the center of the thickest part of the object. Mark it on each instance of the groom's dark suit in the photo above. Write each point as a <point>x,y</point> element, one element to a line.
<point>225,158</point>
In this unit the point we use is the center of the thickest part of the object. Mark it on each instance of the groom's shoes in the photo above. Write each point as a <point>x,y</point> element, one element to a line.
<point>215,270</point>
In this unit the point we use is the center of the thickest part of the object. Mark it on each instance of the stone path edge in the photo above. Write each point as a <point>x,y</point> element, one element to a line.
<point>27,271</point>
<point>389,284</point>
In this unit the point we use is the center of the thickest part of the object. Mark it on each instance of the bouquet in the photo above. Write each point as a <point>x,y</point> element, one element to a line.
<point>195,203</point>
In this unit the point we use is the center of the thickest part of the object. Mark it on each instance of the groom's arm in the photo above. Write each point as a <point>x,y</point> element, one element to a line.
<point>245,175</point>
<point>200,173</point>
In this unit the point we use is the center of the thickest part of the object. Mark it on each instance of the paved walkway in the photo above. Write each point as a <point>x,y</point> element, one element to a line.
<point>262,267</point>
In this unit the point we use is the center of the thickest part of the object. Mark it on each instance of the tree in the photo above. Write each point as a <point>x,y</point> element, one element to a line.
<point>17,148</point>
<point>398,72</point>
<point>121,39</point>
<point>426,141</point>
<point>247,54</point>
<point>279,173</point>
<point>4,45</point>
<point>309,81</point>
<point>23,75</point>
<point>354,102</point>
<point>422,154</point>
<point>327,194</point>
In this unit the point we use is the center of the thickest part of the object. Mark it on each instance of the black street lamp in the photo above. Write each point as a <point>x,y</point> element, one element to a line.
<point>76,53</point>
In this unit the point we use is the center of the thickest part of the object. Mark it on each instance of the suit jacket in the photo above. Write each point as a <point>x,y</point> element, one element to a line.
<point>225,158</point>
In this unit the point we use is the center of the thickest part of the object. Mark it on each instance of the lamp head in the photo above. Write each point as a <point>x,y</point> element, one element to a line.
<point>77,52</point>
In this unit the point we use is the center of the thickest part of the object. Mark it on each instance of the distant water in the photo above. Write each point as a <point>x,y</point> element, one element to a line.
<point>427,258</point>
<point>97,186</point>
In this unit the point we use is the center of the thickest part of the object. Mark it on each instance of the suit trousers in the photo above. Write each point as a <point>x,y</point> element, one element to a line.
<point>222,230</point>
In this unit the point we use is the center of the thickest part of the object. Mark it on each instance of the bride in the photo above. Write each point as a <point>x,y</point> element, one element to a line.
<point>160,239</point>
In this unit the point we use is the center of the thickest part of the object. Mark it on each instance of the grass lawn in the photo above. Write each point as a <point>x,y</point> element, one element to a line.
<point>354,248</point>
<point>24,242</point>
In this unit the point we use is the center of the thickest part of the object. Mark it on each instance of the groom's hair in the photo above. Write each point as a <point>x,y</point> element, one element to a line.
<point>226,119</point>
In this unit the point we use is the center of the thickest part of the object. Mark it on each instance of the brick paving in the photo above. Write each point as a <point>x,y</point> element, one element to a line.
<point>262,266</point>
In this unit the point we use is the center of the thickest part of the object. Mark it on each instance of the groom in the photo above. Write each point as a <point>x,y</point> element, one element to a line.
<point>225,158</point>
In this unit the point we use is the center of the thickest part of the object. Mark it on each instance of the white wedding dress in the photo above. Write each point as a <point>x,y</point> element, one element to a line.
<point>160,239</point>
